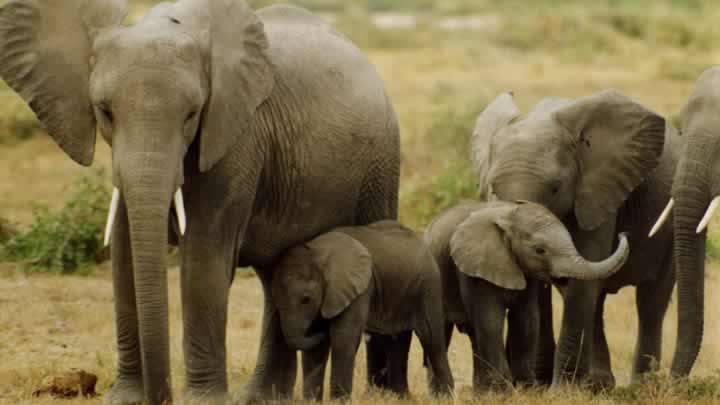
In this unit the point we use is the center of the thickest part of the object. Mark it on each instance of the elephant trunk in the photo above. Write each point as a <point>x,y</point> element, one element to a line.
<point>692,193</point>
<point>577,267</point>
<point>305,342</point>
<point>147,188</point>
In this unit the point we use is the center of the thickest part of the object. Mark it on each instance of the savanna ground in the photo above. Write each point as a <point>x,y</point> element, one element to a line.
<point>442,62</point>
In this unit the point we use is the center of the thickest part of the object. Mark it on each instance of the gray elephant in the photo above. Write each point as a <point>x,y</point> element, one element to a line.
<point>379,279</point>
<point>603,165</point>
<point>492,257</point>
<point>276,127</point>
<point>695,197</point>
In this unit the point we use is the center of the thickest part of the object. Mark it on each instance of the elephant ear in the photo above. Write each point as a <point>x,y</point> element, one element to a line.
<point>619,142</point>
<point>347,269</point>
<point>495,116</point>
<point>480,248</point>
<point>45,52</point>
<point>241,73</point>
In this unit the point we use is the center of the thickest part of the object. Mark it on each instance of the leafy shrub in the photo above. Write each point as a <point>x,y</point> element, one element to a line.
<point>450,137</point>
<point>67,240</point>
<point>712,248</point>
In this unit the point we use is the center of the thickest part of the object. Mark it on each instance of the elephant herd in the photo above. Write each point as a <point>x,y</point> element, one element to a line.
<point>271,136</point>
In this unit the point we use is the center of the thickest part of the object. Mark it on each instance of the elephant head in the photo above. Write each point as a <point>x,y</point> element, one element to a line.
<point>579,157</point>
<point>187,77</point>
<point>507,242</point>
<point>317,281</point>
<point>695,197</point>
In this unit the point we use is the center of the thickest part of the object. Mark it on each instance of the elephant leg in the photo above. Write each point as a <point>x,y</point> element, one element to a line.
<point>378,361</point>
<point>314,362</point>
<point>486,311</point>
<point>379,191</point>
<point>544,361</point>
<point>572,358</point>
<point>206,275</point>
<point>523,332</point>
<point>346,331</point>
<point>652,300</point>
<point>276,367</point>
<point>398,369</point>
<point>601,376</point>
<point>577,333</point>
<point>432,333</point>
<point>128,386</point>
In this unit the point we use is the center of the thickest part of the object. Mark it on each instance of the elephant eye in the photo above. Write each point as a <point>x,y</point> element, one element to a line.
<point>106,112</point>
<point>305,300</point>
<point>540,251</point>
<point>190,117</point>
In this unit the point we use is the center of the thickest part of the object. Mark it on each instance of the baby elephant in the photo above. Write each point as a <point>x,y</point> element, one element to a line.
<point>494,258</point>
<point>379,279</point>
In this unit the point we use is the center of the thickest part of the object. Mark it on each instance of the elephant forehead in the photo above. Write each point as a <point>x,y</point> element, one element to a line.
<point>158,41</point>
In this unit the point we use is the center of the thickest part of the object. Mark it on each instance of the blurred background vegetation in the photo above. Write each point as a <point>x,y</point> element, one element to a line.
<point>442,61</point>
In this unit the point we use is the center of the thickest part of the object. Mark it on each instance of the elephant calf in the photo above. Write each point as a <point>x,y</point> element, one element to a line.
<point>379,279</point>
<point>494,258</point>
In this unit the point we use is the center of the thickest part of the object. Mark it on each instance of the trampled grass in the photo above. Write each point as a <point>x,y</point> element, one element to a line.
<point>439,78</point>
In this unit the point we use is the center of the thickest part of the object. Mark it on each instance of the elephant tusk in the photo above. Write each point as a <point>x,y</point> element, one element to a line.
<point>180,210</point>
<point>663,217</point>
<point>708,214</point>
<point>111,214</point>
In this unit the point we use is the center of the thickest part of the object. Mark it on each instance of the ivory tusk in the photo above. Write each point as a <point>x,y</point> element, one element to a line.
<point>180,210</point>
<point>663,217</point>
<point>708,214</point>
<point>111,214</point>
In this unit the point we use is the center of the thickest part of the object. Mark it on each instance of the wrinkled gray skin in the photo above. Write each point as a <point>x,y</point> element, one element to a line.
<point>380,279</point>
<point>493,258</point>
<point>696,183</point>
<point>276,127</point>
<point>603,165</point>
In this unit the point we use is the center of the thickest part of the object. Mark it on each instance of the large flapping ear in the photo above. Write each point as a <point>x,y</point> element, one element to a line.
<point>45,52</point>
<point>495,116</point>
<point>241,74</point>
<point>619,142</point>
<point>480,248</point>
<point>347,269</point>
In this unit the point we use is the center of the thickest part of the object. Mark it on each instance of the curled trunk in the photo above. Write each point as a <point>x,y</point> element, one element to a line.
<point>577,267</point>
<point>305,342</point>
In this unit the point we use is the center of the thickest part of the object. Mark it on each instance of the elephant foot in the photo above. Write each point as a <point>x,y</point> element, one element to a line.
<point>598,381</point>
<point>125,391</point>
<point>205,396</point>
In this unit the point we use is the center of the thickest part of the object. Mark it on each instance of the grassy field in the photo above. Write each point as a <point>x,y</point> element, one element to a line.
<point>440,71</point>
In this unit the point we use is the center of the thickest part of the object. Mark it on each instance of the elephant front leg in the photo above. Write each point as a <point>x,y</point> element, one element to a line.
<point>206,269</point>
<point>313,365</point>
<point>545,357</point>
<point>128,385</point>
<point>276,367</point>
<point>572,358</point>
<point>523,333</point>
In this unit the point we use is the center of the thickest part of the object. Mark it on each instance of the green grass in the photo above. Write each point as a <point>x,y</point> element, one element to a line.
<point>65,241</point>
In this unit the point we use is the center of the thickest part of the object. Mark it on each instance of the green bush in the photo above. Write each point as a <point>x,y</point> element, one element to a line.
<point>450,137</point>
<point>67,240</point>
<point>712,248</point>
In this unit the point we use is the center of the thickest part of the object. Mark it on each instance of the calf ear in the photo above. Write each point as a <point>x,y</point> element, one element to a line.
<point>45,52</point>
<point>347,269</point>
<point>479,247</point>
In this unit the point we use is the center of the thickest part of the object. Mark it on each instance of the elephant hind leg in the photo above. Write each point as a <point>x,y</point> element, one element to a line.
<point>601,376</point>
<point>378,362</point>
<point>545,356</point>
<point>652,300</point>
<point>399,363</point>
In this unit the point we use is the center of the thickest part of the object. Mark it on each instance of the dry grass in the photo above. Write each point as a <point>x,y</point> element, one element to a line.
<point>51,323</point>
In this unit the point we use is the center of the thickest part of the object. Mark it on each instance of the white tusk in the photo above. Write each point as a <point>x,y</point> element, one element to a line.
<point>111,214</point>
<point>180,210</point>
<point>708,214</point>
<point>661,220</point>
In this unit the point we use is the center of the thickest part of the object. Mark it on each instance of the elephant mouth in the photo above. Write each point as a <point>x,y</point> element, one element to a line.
<point>560,281</point>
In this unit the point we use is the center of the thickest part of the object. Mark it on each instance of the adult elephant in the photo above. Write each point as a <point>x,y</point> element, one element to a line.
<point>601,164</point>
<point>276,127</point>
<point>695,185</point>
